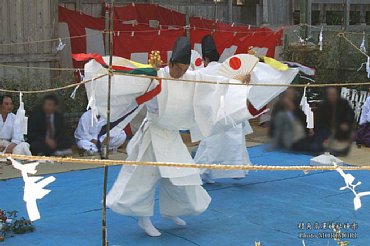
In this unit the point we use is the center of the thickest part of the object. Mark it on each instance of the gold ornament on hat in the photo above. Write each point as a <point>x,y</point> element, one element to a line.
<point>155,59</point>
<point>251,51</point>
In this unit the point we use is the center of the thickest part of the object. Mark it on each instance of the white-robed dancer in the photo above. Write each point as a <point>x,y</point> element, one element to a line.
<point>179,106</point>
<point>87,131</point>
<point>11,135</point>
<point>226,147</point>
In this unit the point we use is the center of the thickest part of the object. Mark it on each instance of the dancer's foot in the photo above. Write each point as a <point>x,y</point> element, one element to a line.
<point>146,224</point>
<point>176,220</point>
<point>207,179</point>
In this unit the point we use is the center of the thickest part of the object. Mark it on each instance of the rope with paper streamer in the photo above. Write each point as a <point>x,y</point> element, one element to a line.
<point>99,162</point>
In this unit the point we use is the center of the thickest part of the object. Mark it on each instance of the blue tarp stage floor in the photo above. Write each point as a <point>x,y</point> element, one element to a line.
<point>266,206</point>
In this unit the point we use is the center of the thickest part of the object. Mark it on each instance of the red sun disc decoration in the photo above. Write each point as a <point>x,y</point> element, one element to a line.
<point>235,63</point>
<point>198,62</point>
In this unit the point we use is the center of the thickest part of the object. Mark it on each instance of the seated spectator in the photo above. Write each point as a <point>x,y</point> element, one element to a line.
<point>334,123</point>
<point>279,105</point>
<point>289,122</point>
<point>46,131</point>
<point>86,134</point>
<point>363,132</point>
<point>11,136</point>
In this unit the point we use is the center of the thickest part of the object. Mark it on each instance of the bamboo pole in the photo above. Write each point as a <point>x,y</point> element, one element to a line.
<point>105,150</point>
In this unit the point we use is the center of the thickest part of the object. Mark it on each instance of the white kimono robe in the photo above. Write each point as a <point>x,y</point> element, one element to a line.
<point>226,147</point>
<point>205,110</point>
<point>11,132</point>
<point>88,129</point>
<point>179,106</point>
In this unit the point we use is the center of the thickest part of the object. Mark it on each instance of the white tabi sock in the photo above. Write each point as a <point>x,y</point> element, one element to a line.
<point>145,223</point>
<point>176,220</point>
<point>207,179</point>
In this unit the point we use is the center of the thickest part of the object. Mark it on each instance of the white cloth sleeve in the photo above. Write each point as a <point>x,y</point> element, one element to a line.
<point>84,126</point>
<point>365,113</point>
<point>17,134</point>
<point>259,96</point>
<point>217,106</point>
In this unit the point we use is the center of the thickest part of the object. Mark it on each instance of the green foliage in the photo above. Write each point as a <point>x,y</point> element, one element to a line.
<point>31,101</point>
<point>9,224</point>
<point>71,108</point>
<point>336,63</point>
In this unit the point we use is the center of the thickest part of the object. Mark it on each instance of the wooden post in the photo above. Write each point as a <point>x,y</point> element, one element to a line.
<point>106,23</point>
<point>347,9</point>
<point>265,9</point>
<point>302,19</point>
<point>258,14</point>
<point>363,15</point>
<point>230,10</point>
<point>309,17</point>
<point>109,44</point>
<point>322,14</point>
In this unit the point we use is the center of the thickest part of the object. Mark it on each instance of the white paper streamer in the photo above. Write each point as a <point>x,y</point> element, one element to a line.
<point>363,46</point>
<point>60,46</point>
<point>92,104</point>
<point>307,110</point>
<point>349,179</point>
<point>367,66</point>
<point>321,38</point>
<point>20,117</point>
<point>33,187</point>
<point>82,78</point>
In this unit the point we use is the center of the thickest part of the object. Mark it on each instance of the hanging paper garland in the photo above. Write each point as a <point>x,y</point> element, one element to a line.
<point>307,110</point>
<point>20,117</point>
<point>363,44</point>
<point>33,187</point>
<point>321,38</point>
<point>349,179</point>
<point>82,78</point>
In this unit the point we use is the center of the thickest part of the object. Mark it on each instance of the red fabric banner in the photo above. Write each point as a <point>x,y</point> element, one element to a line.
<point>135,42</point>
<point>143,13</point>
<point>242,41</point>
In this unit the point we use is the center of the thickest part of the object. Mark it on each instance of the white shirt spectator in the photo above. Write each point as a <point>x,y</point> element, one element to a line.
<point>10,132</point>
<point>365,114</point>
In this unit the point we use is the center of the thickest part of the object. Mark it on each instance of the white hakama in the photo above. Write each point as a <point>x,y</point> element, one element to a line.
<point>11,132</point>
<point>88,129</point>
<point>227,147</point>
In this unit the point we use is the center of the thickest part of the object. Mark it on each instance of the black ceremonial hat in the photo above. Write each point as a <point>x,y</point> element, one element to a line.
<point>208,45</point>
<point>181,52</point>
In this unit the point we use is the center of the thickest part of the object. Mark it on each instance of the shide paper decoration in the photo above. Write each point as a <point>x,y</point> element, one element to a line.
<point>20,117</point>
<point>307,110</point>
<point>92,103</point>
<point>33,187</point>
<point>82,78</point>
<point>321,38</point>
<point>363,44</point>
<point>60,46</point>
<point>349,179</point>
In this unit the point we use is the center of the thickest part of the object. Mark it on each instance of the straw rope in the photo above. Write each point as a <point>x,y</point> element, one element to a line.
<point>342,35</point>
<point>177,26</point>
<point>100,162</point>
<point>53,89</point>
<point>48,40</point>
<point>40,68</point>
<point>240,84</point>
<point>186,81</point>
